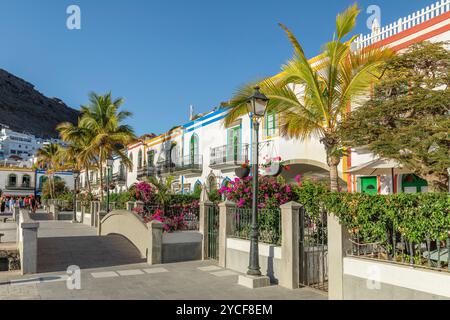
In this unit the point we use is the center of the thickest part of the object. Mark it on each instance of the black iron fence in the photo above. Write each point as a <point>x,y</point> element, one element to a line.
<point>269,222</point>
<point>398,247</point>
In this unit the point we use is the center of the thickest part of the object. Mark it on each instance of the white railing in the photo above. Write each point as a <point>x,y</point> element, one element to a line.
<point>421,16</point>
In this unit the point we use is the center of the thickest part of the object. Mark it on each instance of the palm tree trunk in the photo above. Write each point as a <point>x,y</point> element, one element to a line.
<point>334,177</point>
<point>333,160</point>
<point>88,180</point>
<point>100,165</point>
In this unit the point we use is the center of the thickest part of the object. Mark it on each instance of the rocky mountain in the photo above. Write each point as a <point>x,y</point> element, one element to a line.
<point>24,109</point>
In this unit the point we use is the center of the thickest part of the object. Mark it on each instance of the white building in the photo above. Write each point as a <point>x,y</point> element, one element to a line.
<point>204,151</point>
<point>17,182</point>
<point>15,144</point>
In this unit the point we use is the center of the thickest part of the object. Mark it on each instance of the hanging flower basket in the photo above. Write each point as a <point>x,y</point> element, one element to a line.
<point>242,173</point>
<point>273,171</point>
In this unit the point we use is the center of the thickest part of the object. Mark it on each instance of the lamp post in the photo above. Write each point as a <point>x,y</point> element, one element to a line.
<point>256,107</point>
<point>109,165</point>
<point>76,175</point>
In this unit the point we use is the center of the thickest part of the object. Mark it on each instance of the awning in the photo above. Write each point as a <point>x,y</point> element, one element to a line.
<point>378,167</point>
<point>18,193</point>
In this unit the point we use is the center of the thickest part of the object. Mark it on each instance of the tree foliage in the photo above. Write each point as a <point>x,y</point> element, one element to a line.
<point>408,116</point>
<point>313,97</point>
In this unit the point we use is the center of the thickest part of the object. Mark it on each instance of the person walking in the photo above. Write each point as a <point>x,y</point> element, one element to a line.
<point>2,205</point>
<point>11,205</point>
<point>33,205</point>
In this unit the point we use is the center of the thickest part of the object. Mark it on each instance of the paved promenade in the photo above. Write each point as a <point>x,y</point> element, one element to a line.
<point>112,269</point>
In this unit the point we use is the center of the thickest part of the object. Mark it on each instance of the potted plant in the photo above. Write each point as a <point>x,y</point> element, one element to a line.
<point>273,167</point>
<point>243,171</point>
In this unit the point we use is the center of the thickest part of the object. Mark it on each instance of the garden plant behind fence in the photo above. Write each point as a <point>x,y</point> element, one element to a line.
<point>269,222</point>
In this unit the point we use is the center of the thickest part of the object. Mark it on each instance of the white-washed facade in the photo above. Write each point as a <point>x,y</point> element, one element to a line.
<point>205,152</point>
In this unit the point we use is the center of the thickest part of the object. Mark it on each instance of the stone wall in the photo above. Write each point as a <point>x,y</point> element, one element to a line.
<point>376,280</point>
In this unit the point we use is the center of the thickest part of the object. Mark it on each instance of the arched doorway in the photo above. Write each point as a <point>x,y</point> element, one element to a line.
<point>212,183</point>
<point>309,170</point>
<point>193,149</point>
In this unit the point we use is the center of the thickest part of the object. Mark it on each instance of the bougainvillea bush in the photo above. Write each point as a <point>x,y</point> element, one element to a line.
<point>271,192</point>
<point>180,213</point>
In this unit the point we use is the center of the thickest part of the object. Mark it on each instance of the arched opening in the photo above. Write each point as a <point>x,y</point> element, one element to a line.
<point>212,183</point>
<point>12,180</point>
<point>26,181</point>
<point>309,170</point>
<point>132,163</point>
<point>193,149</point>
<point>226,182</point>
<point>121,170</point>
<point>197,188</point>
<point>42,180</point>
<point>139,159</point>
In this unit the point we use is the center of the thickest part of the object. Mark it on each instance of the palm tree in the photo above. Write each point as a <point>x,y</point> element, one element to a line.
<point>312,100</point>
<point>77,155</point>
<point>49,158</point>
<point>163,190</point>
<point>103,120</point>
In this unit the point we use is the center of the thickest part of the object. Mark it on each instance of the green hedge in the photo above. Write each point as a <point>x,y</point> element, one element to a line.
<point>416,217</point>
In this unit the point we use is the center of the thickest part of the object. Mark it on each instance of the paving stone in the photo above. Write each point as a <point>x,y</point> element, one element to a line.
<point>108,274</point>
<point>225,273</point>
<point>210,268</point>
<point>156,270</point>
<point>136,272</point>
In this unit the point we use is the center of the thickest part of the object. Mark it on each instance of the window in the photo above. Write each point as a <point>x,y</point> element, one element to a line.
<point>26,181</point>
<point>121,170</point>
<point>151,158</point>
<point>140,159</point>
<point>132,163</point>
<point>193,150</point>
<point>12,180</point>
<point>270,122</point>
<point>234,148</point>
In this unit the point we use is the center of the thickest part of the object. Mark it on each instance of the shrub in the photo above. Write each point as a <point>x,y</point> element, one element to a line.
<point>373,218</point>
<point>271,193</point>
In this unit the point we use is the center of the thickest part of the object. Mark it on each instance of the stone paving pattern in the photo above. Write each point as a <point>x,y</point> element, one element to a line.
<point>112,269</point>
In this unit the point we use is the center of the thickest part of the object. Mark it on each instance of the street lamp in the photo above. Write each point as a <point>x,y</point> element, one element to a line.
<point>256,107</point>
<point>109,165</point>
<point>76,175</point>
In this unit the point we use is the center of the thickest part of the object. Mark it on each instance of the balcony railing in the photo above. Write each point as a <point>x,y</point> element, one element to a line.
<point>228,156</point>
<point>190,165</point>
<point>119,178</point>
<point>146,172</point>
<point>22,186</point>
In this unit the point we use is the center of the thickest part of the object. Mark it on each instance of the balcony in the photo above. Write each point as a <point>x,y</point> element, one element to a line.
<point>146,172</point>
<point>228,157</point>
<point>23,186</point>
<point>165,168</point>
<point>189,166</point>
<point>119,178</point>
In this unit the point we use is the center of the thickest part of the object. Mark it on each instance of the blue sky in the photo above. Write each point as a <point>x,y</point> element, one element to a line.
<point>162,56</point>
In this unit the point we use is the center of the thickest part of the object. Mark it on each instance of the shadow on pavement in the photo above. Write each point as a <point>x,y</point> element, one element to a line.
<point>86,252</point>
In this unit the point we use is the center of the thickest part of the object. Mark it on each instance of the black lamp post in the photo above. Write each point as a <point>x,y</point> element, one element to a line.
<point>109,165</point>
<point>76,175</point>
<point>256,105</point>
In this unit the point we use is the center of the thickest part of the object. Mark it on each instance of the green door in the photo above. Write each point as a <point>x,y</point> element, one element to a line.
<point>369,185</point>
<point>234,144</point>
